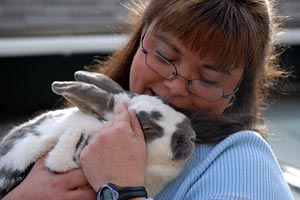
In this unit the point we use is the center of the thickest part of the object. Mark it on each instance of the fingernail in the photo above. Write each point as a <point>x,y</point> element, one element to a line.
<point>122,104</point>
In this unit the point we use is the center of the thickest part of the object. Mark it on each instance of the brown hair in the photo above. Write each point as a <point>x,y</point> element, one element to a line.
<point>235,33</point>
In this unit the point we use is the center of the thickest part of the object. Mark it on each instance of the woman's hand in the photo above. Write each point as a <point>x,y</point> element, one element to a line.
<point>41,184</point>
<point>117,154</point>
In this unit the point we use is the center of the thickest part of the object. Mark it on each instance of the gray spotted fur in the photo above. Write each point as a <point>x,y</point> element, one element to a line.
<point>64,133</point>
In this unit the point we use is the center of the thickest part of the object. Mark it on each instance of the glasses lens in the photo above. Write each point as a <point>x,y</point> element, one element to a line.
<point>205,90</point>
<point>160,65</point>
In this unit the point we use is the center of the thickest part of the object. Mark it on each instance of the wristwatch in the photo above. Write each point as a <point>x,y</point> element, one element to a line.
<point>110,191</point>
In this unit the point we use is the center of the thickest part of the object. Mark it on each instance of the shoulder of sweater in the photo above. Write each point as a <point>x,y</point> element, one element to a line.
<point>244,147</point>
<point>243,141</point>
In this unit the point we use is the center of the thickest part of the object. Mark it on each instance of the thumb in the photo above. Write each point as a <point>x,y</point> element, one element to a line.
<point>135,124</point>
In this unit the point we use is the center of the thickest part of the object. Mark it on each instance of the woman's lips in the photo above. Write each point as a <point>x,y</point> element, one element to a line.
<point>150,92</point>
<point>153,93</point>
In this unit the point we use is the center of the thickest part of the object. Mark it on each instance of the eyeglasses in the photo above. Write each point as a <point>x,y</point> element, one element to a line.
<point>168,70</point>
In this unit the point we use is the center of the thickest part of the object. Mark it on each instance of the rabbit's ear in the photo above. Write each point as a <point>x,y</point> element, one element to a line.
<point>100,80</point>
<point>87,97</point>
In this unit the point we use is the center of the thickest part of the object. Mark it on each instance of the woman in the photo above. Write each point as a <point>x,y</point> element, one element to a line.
<point>212,57</point>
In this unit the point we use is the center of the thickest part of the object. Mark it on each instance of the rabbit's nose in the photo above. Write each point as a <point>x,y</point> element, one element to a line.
<point>183,144</point>
<point>192,136</point>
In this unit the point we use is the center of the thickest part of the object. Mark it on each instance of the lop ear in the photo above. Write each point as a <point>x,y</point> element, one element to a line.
<point>100,80</point>
<point>87,97</point>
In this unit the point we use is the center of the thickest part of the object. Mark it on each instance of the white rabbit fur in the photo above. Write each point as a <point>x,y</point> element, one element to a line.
<point>64,133</point>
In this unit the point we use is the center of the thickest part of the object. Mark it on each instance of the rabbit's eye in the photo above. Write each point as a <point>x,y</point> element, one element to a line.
<point>147,127</point>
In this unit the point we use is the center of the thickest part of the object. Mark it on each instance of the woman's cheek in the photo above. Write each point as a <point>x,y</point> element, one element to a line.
<point>137,73</point>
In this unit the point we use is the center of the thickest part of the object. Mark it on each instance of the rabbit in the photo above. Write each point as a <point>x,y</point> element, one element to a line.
<point>65,132</point>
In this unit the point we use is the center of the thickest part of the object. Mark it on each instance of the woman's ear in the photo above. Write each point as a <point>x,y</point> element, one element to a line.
<point>145,29</point>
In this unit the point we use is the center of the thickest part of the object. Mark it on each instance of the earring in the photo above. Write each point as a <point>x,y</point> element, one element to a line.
<point>231,101</point>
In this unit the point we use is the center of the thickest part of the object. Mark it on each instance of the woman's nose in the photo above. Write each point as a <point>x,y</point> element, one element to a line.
<point>178,86</point>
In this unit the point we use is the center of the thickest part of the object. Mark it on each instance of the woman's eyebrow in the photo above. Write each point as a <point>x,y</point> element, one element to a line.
<point>168,42</point>
<point>217,69</point>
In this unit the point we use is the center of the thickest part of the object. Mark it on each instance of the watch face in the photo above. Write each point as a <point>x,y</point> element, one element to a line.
<point>106,194</point>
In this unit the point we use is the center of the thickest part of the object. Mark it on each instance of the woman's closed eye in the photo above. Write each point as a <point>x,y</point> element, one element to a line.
<point>161,52</point>
<point>160,57</point>
<point>207,81</point>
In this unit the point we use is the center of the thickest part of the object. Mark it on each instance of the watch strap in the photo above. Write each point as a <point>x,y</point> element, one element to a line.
<point>131,195</point>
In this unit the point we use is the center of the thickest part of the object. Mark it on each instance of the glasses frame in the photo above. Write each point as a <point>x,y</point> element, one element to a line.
<point>189,81</point>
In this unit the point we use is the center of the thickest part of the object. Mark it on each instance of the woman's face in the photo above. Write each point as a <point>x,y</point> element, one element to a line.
<point>143,80</point>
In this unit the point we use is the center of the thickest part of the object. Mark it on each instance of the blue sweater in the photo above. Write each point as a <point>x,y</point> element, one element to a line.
<point>241,167</point>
